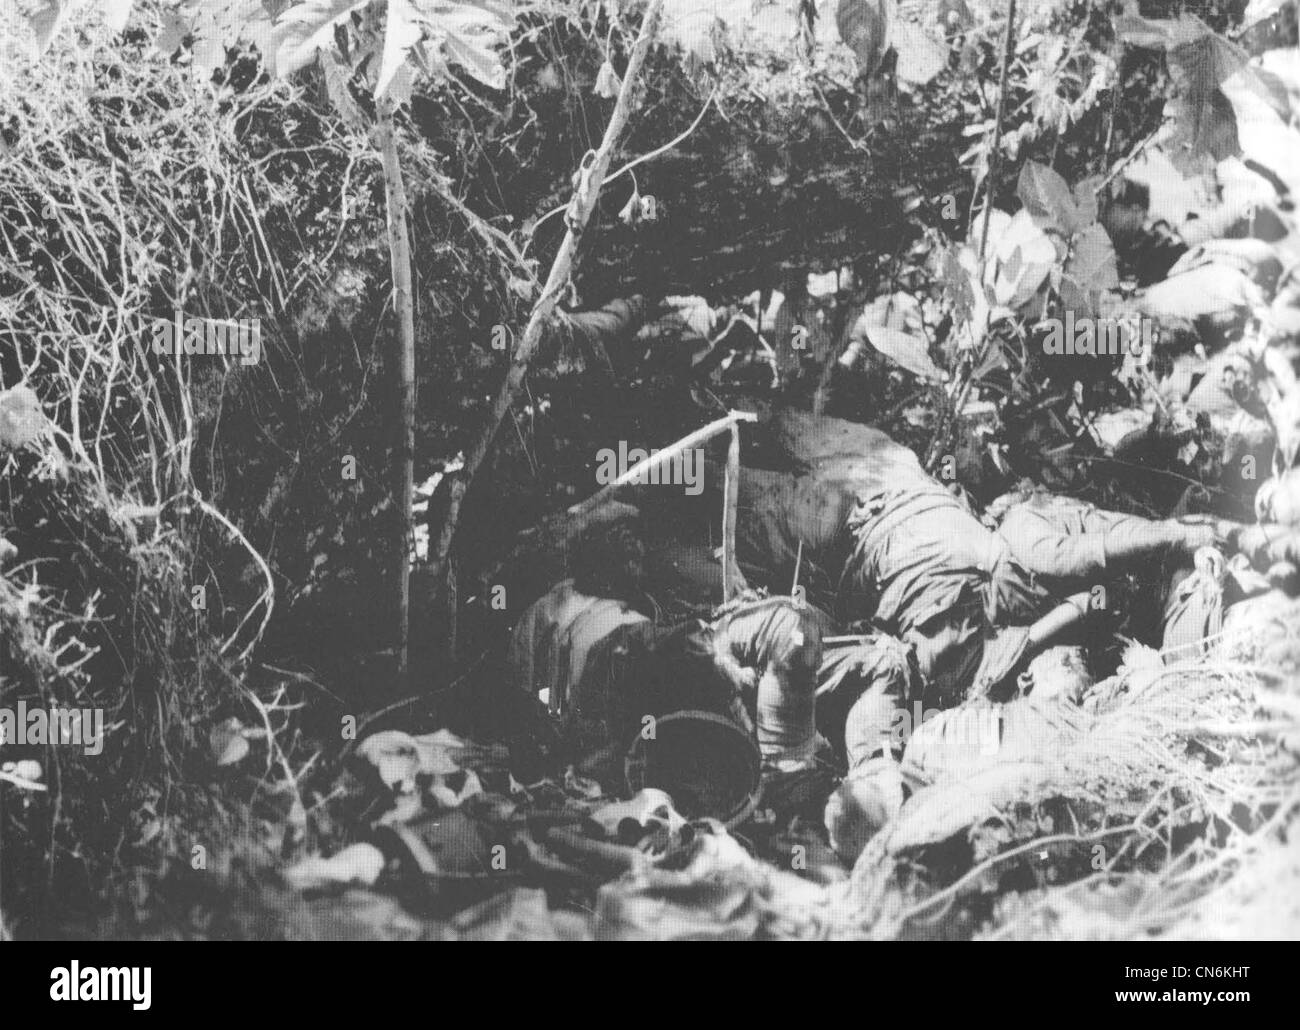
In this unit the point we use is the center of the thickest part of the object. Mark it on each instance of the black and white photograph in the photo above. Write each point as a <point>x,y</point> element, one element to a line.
<point>650,470</point>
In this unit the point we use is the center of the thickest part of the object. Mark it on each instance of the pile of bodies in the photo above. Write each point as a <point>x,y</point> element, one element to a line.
<point>907,602</point>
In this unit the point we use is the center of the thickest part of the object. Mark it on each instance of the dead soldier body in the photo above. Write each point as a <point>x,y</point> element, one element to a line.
<point>761,663</point>
<point>910,554</point>
<point>604,667</point>
<point>915,562</point>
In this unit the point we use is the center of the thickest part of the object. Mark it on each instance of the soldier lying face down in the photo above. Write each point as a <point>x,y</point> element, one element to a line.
<point>771,667</point>
<point>754,662</point>
<point>759,662</point>
<point>955,606</point>
<point>604,667</point>
<point>763,664</point>
<point>915,561</point>
<point>967,601</point>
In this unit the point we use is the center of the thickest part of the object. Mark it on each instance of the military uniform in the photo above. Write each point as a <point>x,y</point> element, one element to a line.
<point>607,668</point>
<point>913,560</point>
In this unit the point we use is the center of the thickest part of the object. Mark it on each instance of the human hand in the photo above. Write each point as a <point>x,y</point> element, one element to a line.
<point>1196,535</point>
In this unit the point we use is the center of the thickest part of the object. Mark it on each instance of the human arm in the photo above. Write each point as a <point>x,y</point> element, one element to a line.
<point>1084,546</point>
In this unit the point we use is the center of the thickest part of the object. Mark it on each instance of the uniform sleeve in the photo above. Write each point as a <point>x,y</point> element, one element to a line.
<point>862,697</point>
<point>1045,548</point>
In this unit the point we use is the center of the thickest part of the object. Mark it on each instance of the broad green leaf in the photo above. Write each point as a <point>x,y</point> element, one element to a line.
<point>469,34</point>
<point>303,29</point>
<point>1204,132</point>
<point>1269,86</point>
<point>337,75</point>
<point>476,58</point>
<point>228,742</point>
<point>1047,198</point>
<point>1015,264</point>
<point>1075,298</point>
<point>700,27</point>
<point>893,325</point>
<point>399,90</point>
<point>1085,199</point>
<point>959,282</point>
<point>898,310</point>
<point>218,25</point>
<point>1092,263</point>
<point>401,32</point>
<point>999,223</point>
<point>905,349</point>
<point>1019,260</point>
<point>1205,121</point>
<point>920,56</point>
<point>607,82</point>
<point>1200,65</point>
